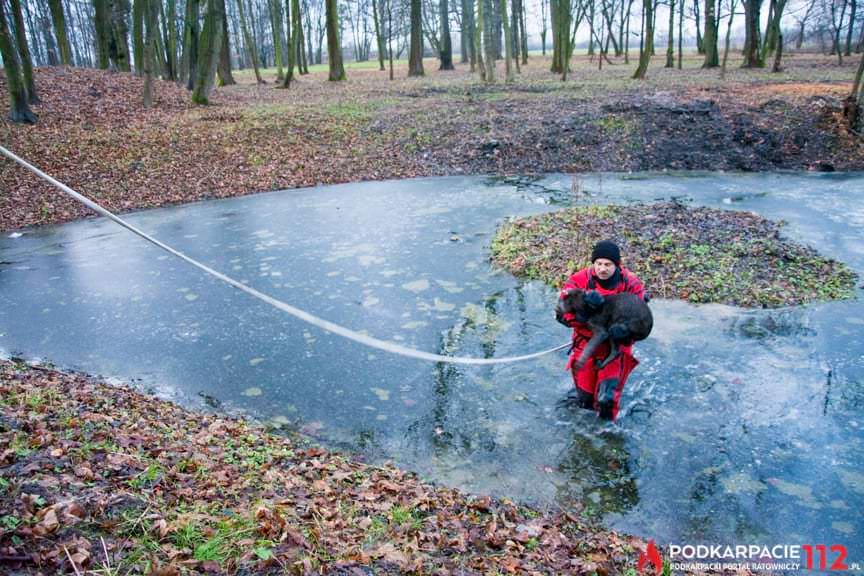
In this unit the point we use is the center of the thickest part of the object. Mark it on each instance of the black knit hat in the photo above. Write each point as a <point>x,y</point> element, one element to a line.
<point>608,250</point>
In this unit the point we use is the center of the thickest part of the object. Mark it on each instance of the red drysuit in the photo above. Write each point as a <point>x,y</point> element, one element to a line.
<point>610,379</point>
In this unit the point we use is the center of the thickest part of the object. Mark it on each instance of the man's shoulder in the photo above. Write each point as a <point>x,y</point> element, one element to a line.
<point>579,278</point>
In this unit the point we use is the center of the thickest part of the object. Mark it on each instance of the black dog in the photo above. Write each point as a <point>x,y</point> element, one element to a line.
<point>621,318</point>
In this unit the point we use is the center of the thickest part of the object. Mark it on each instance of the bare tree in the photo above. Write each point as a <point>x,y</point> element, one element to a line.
<point>151,23</point>
<point>852,109</point>
<point>681,32</point>
<point>544,5</point>
<point>772,30</point>
<point>208,52</point>
<point>670,46</point>
<point>379,33</point>
<point>252,51</point>
<point>415,59</point>
<point>59,19</point>
<point>508,44</point>
<point>647,44</point>
<point>223,68</point>
<point>752,40</point>
<point>838,11</point>
<point>710,37</point>
<point>334,46</point>
<point>19,109</point>
<point>732,5</point>
<point>191,32</point>
<point>446,51</point>
<point>24,52</point>
<point>801,20</point>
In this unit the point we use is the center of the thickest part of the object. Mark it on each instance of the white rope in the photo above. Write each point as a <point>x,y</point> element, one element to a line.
<point>296,312</point>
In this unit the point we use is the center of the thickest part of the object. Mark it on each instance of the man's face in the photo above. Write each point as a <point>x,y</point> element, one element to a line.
<point>603,268</point>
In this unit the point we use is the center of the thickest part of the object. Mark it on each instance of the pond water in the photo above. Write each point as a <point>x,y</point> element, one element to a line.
<point>738,427</point>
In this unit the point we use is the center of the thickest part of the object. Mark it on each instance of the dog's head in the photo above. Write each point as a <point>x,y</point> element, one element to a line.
<point>574,302</point>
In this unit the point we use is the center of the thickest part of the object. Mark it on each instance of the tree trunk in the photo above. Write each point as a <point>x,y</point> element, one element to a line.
<point>478,40</point>
<point>648,42</point>
<point>556,46</point>
<point>508,44</point>
<point>208,52</point>
<point>752,40</point>
<point>138,9</point>
<point>297,38</point>
<point>772,30</point>
<point>543,29</point>
<point>251,50</point>
<point>334,46</point>
<point>516,43</point>
<point>223,68</point>
<point>290,55</point>
<point>390,35</point>
<point>51,51</point>
<point>119,46</point>
<point>379,34</point>
<point>278,40</point>
<point>778,54</point>
<point>190,42</point>
<point>415,58</point>
<point>523,31</point>
<point>627,34</point>
<point>489,25</point>
<point>151,25</point>
<point>837,24</point>
<point>710,39</point>
<point>681,32</point>
<point>732,7</point>
<point>446,53</point>
<point>670,46</point>
<point>24,52</point>
<point>494,10</point>
<point>59,19</point>
<point>34,36</point>
<point>468,31</point>
<point>855,100</point>
<point>700,45</point>
<point>171,43</point>
<point>103,31</point>
<point>292,19</point>
<point>19,110</point>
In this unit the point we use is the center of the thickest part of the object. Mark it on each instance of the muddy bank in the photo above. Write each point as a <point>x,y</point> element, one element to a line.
<point>94,135</point>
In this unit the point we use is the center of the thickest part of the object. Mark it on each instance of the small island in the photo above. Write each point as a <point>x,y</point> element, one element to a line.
<point>696,254</point>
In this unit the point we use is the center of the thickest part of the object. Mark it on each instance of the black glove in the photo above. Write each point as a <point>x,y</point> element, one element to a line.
<point>593,299</point>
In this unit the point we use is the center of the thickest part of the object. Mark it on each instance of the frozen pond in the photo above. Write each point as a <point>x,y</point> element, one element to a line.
<point>738,427</point>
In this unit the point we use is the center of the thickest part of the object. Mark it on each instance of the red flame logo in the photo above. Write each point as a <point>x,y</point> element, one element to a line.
<point>650,556</point>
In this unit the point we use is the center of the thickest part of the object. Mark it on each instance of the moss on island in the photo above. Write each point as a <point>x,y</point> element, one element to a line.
<point>690,253</point>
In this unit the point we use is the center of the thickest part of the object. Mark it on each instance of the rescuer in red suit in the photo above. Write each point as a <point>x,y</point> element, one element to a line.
<point>600,389</point>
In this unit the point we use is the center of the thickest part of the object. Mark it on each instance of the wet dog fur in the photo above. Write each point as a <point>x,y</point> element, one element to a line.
<point>622,319</point>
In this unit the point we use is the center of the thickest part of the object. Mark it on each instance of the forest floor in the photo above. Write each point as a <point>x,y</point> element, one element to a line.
<point>101,477</point>
<point>94,135</point>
